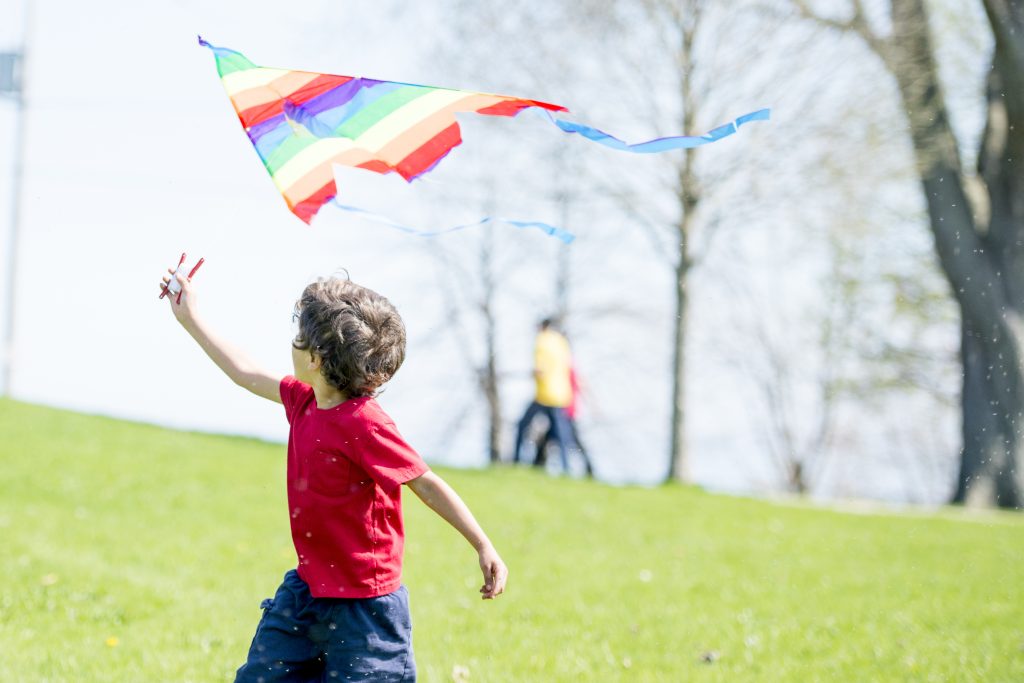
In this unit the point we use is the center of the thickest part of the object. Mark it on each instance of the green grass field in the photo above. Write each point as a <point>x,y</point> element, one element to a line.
<point>134,553</point>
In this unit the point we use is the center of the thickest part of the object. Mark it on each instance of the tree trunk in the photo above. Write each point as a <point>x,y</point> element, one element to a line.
<point>494,426</point>
<point>999,164</point>
<point>797,478</point>
<point>688,195</point>
<point>679,469</point>
<point>983,478</point>
<point>678,465</point>
<point>977,265</point>
<point>489,374</point>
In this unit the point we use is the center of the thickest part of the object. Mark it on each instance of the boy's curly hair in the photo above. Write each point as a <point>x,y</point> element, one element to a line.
<point>357,333</point>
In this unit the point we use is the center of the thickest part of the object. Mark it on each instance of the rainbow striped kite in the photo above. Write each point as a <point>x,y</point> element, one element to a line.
<point>302,123</point>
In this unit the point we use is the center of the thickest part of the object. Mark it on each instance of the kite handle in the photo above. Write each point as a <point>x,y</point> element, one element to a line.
<point>167,290</point>
<point>192,272</point>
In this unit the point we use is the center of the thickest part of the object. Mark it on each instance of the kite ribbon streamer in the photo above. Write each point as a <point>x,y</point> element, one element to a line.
<point>303,123</point>
<point>561,234</point>
<point>659,144</point>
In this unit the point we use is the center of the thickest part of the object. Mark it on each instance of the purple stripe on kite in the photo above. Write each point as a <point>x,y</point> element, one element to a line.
<point>354,95</point>
<point>264,127</point>
<point>271,139</point>
<point>299,114</point>
<point>220,51</point>
<point>326,123</point>
<point>364,96</point>
<point>337,96</point>
<point>333,98</point>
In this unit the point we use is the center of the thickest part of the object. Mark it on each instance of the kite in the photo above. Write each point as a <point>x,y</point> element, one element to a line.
<point>303,123</point>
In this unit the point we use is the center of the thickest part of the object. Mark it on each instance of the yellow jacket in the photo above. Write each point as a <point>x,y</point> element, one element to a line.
<point>551,363</point>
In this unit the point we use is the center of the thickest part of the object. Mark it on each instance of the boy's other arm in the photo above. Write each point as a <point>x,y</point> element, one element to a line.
<point>442,499</point>
<point>233,362</point>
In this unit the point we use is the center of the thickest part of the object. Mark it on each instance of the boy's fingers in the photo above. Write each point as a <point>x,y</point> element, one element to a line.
<point>499,580</point>
<point>501,575</point>
<point>495,575</point>
<point>488,586</point>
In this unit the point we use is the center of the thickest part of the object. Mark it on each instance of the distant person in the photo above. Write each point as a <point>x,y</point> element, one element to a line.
<point>552,363</point>
<point>343,613</point>
<point>571,411</point>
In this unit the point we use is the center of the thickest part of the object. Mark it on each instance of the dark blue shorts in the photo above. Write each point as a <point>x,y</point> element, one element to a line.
<point>303,639</point>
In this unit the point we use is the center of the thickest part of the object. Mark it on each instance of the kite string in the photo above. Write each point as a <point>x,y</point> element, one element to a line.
<point>646,147</point>
<point>560,233</point>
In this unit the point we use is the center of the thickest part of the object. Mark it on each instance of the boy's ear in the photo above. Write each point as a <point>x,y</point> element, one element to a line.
<point>314,361</point>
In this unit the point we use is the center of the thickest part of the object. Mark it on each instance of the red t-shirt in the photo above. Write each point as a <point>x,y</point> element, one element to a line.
<point>346,467</point>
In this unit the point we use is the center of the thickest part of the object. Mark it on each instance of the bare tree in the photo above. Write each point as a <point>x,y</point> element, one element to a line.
<point>667,78</point>
<point>469,290</point>
<point>870,327</point>
<point>677,33</point>
<point>980,248</point>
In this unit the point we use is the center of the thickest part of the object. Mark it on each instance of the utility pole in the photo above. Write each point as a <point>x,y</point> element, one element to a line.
<point>12,86</point>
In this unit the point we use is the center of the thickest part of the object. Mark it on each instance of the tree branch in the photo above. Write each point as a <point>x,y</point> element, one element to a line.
<point>1007,20</point>
<point>857,23</point>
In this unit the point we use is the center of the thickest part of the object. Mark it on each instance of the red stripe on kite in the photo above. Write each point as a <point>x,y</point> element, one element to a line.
<point>424,158</point>
<point>377,166</point>
<point>513,107</point>
<point>308,207</point>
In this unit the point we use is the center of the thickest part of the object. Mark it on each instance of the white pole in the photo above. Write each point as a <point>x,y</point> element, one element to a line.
<point>16,183</point>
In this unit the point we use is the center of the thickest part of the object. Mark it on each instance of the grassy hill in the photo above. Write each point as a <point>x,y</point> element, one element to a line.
<point>134,553</point>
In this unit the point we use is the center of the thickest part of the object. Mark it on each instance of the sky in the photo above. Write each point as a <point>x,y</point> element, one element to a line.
<point>134,155</point>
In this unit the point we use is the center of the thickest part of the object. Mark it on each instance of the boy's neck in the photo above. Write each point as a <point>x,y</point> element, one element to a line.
<point>327,396</point>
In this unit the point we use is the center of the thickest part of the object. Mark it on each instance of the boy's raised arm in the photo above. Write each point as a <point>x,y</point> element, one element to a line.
<point>442,499</point>
<point>233,362</point>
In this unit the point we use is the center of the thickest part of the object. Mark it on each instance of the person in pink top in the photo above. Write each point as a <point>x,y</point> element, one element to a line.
<point>342,613</point>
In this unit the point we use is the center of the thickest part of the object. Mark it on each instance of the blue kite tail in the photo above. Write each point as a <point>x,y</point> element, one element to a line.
<point>659,144</point>
<point>556,232</point>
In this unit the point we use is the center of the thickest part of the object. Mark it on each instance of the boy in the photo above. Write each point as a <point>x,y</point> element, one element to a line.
<point>342,614</point>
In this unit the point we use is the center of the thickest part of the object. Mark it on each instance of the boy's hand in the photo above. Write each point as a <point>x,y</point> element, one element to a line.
<point>442,499</point>
<point>495,573</point>
<point>186,311</point>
